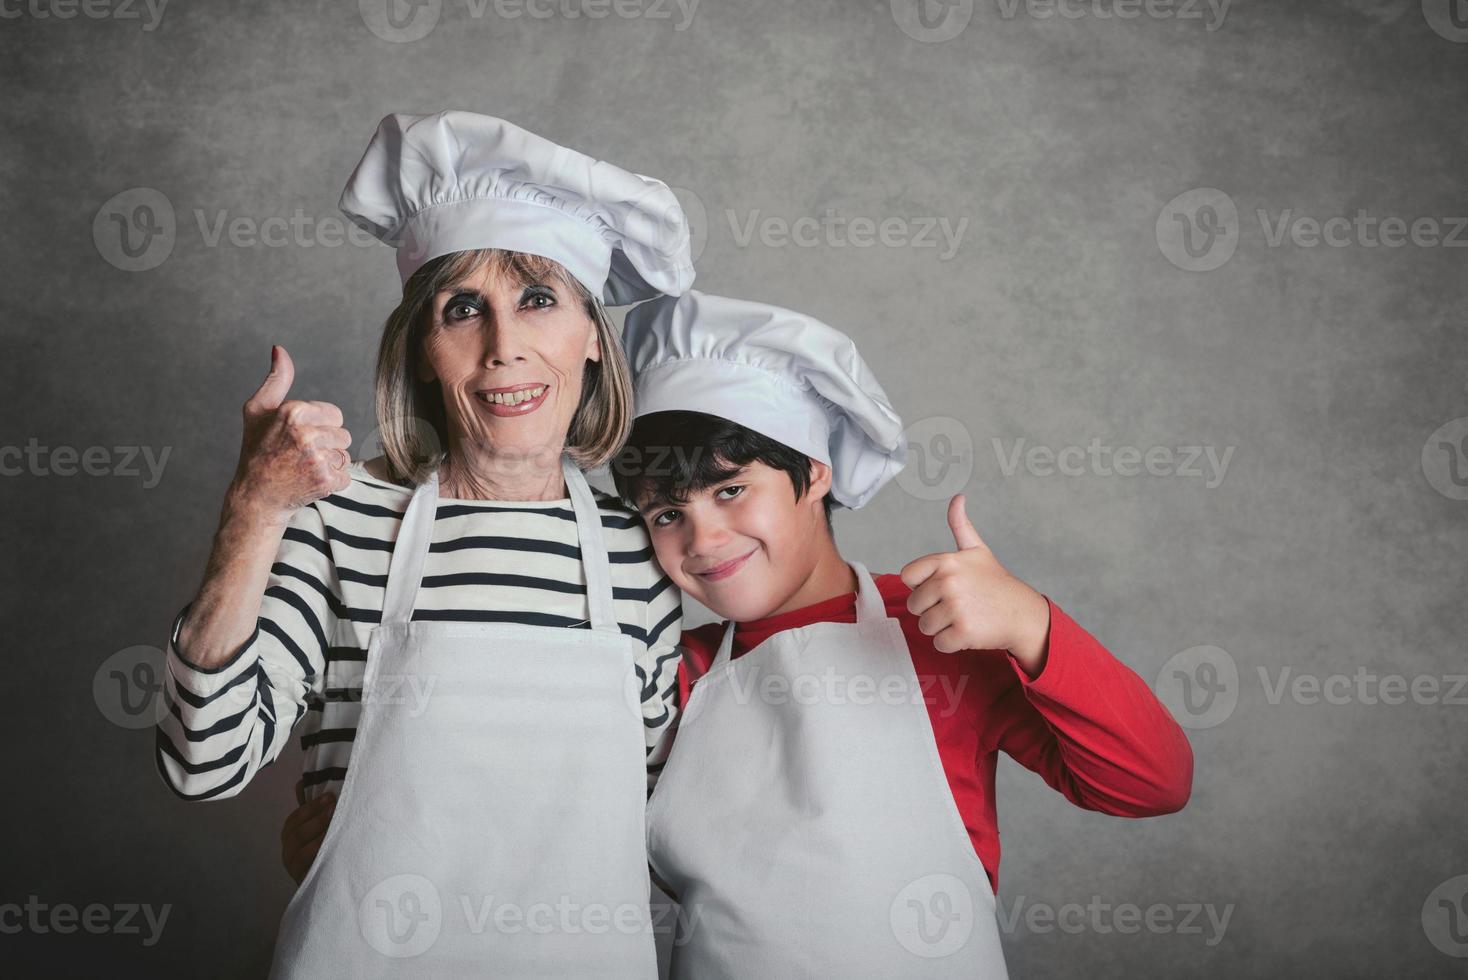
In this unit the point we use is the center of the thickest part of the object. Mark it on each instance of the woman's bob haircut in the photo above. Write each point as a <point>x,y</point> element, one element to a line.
<point>410,412</point>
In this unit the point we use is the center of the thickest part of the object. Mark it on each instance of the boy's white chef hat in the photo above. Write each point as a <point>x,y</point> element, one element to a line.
<point>433,184</point>
<point>783,374</point>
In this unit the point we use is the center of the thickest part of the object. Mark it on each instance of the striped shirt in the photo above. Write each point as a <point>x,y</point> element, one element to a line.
<point>490,561</point>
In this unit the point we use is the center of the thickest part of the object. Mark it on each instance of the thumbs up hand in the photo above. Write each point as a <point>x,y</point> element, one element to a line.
<point>293,452</point>
<point>966,600</point>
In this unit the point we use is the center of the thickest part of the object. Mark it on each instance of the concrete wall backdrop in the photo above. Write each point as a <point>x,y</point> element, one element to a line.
<point>1089,250</point>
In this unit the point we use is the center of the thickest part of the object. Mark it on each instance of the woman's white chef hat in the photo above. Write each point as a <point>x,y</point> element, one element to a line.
<point>783,374</point>
<point>451,181</point>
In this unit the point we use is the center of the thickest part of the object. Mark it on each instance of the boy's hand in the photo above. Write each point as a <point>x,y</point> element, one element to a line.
<point>303,832</point>
<point>966,600</point>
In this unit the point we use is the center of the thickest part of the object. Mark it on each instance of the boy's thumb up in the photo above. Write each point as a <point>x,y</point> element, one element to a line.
<point>964,533</point>
<point>276,386</point>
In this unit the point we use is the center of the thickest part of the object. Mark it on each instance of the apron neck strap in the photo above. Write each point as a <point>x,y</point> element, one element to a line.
<point>869,608</point>
<point>415,536</point>
<point>405,569</point>
<point>593,548</point>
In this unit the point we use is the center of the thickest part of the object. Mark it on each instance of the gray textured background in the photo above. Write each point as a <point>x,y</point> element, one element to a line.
<point>1333,544</point>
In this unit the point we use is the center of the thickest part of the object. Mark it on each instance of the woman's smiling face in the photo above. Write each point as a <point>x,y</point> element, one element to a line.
<point>745,544</point>
<point>510,359</point>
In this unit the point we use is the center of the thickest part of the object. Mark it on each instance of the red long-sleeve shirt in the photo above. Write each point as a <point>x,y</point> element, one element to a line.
<point>1088,725</point>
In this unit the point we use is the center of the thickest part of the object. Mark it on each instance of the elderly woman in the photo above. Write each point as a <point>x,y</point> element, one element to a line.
<point>484,679</point>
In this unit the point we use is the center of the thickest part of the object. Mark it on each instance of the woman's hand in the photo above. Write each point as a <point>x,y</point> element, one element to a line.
<point>303,832</point>
<point>293,452</point>
<point>966,600</point>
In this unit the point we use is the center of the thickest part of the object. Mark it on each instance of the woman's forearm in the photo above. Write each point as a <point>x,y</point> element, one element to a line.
<point>293,453</point>
<point>222,617</point>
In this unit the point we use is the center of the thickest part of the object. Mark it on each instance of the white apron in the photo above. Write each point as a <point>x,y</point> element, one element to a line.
<point>492,819</point>
<point>805,821</point>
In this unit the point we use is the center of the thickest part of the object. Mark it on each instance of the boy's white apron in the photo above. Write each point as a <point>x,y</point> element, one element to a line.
<point>493,815</point>
<point>805,822</point>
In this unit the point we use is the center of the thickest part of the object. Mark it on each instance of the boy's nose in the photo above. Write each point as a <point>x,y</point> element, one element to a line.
<point>707,538</point>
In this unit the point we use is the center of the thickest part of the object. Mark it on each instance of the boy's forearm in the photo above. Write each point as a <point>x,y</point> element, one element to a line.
<point>1032,647</point>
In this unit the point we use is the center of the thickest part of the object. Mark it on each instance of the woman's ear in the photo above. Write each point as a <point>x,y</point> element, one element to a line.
<point>593,350</point>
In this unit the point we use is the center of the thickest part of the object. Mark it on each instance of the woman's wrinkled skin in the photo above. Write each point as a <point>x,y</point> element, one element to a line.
<point>491,332</point>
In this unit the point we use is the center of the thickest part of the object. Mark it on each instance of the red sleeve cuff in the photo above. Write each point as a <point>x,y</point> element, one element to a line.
<point>1058,647</point>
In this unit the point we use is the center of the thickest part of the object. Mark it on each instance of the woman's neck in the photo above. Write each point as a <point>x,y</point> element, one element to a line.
<point>497,476</point>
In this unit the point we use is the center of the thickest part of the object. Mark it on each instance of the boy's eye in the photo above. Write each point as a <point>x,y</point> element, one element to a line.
<point>737,486</point>
<point>658,520</point>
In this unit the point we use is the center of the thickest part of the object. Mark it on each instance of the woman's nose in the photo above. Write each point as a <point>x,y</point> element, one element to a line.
<point>503,343</point>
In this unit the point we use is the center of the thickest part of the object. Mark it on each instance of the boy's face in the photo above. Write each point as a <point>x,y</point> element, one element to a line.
<point>745,545</point>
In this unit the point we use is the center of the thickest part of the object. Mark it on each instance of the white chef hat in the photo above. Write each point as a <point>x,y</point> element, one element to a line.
<point>783,374</point>
<point>433,184</point>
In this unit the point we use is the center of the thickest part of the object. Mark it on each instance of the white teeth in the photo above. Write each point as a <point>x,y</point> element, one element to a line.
<point>515,397</point>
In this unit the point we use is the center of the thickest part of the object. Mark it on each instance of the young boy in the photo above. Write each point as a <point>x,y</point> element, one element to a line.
<point>828,806</point>
<point>827,809</point>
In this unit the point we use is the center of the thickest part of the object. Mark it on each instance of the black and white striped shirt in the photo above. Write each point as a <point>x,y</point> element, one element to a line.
<point>500,561</point>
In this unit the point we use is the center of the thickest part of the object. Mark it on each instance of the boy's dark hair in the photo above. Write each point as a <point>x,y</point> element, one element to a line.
<point>671,455</point>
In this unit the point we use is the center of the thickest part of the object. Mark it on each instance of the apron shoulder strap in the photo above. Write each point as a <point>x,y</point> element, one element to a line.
<point>405,570</point>
<point>593,547</point>
<point>869,603</point>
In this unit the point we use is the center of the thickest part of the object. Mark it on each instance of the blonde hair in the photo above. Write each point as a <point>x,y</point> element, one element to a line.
<point>410,412</point>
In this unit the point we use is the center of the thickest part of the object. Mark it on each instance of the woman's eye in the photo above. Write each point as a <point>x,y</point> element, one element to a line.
<point>461,307</point>
<point>538,299</point>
